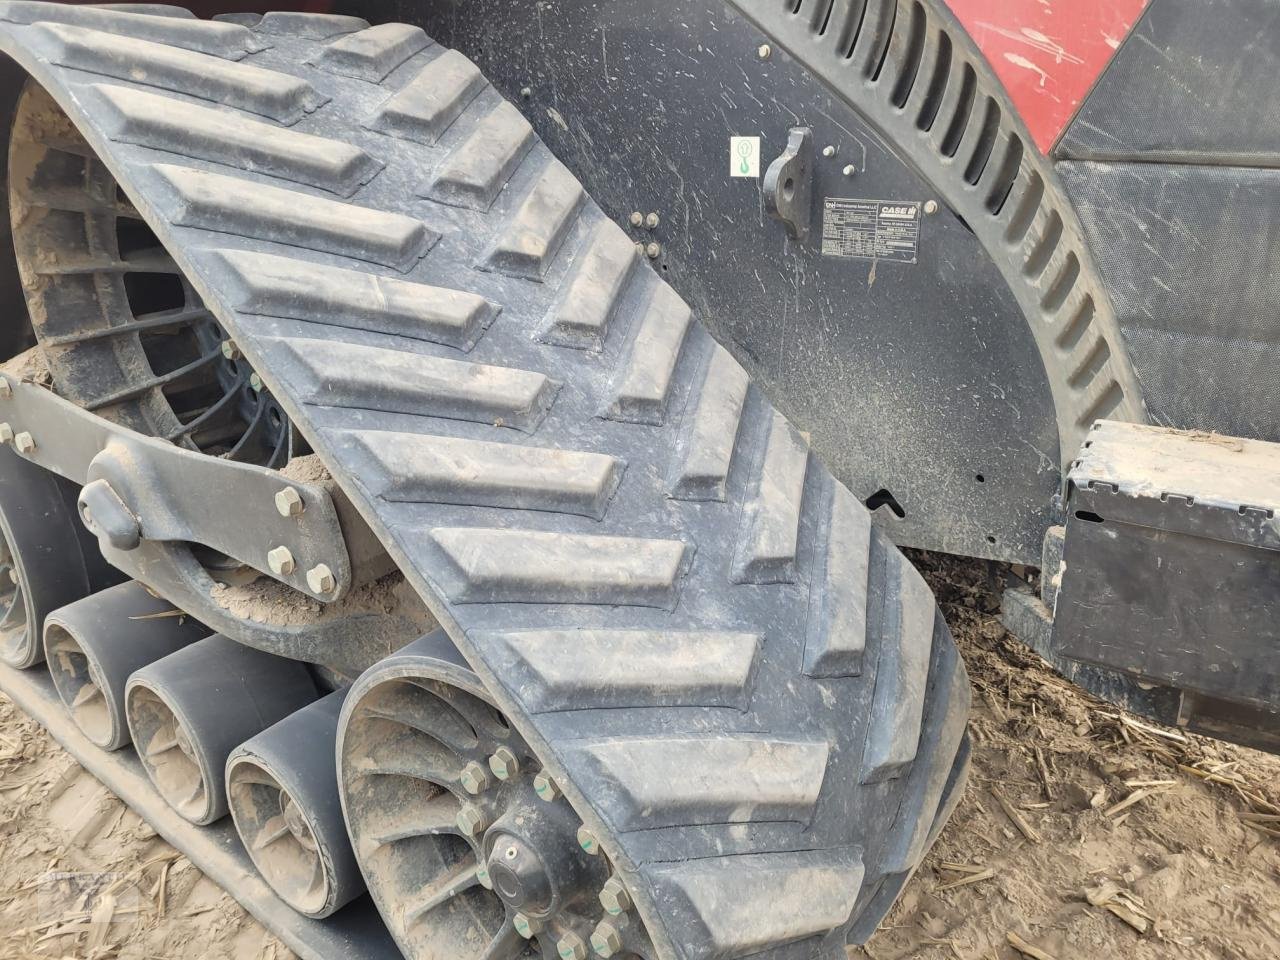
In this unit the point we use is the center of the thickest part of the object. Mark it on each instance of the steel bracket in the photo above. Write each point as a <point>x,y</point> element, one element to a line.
<point>788,184</point>
<point>140,488</point>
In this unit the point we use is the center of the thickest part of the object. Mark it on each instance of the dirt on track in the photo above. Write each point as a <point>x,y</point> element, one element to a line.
<point>1079,827</point>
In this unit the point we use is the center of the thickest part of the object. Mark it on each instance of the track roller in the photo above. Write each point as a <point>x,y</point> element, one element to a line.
<point>468,848</point>
<point>282,787</point>
<point>188,711</point>
<point>43,561</point>
<point>95,644</point>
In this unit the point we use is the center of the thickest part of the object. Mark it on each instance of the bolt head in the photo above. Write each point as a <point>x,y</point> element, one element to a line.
<point>474,778</point>
<point>280,561</point>
<point>829,150</point>
<point>588,842</point>
<point>472,820</point>
<point>849,170</point>
<point>764,52</point>
<point>653,251</point>
<point>230,350</point>
<point>637,218</point>
<point>931,206</point>
<point>255,383</point>
<point>571,947</point>
<point>605,939</point>
<point>321,579</point>
<point>289,502</point>
<point>526,92</point>
<point>652,221</point>
<point>13,576</point>
<point>6,433</point>
<point>527,927</point>
<point>545,788</point>
<point>504,763</point>
<point>24,443</point>
<point>614,897</point>
<point>6,388</point>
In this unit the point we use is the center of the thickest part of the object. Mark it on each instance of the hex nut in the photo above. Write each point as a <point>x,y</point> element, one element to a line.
<point>588,842</point>
<point>545,788</point>
<point>504,763</point>
<point>474,778</point>
<point>614,897</point>
<point>289,502</point>
<point>527,927</point>
<point>24,443</point>
<point>321,579</point>
<point>571,947</point>
<point>6,433</point>
<point>605,939</point>
<point>472,820</point>
<point>6,388</point>
<point>280,561</point>
<point>230,350</point>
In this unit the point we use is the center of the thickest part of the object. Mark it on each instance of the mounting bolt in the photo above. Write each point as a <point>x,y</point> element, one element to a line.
<point>637,218</point>
<point>588,842</point>
<point>289,502</point>
<point>474,778</point>
<point>230,350</point>
<point>849,170</point>
<point>527,927</point>
<point>24,443</point>
<point>571,947</point>
<point>504,763</point>
<point>255,382</point>
<point>764,52</point>
<point>6,433</point>
<point>653,251</point>
<point>605,939</point>
<point>614,897</point>
<point>482,877</point>
<point>13,576</point>
<point>931,206</point>
<point>321,579</point>
<point>6,388</point>
<point>472,820</point>
<point>829,150</point>
<point>280,561</point>
<point>526,92</point>
<point>651,221</point>
<point>545,788</point>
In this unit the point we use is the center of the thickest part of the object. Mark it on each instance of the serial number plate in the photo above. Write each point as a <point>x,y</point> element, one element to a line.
<point>871,229</point>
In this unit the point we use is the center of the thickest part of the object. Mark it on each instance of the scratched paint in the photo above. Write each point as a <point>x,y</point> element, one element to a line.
<point>1048,53</point>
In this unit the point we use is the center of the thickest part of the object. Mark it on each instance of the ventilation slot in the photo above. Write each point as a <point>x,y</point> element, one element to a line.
<point>822,16</point>
<point>855,16</point>
<point>1024,215</point>
<point>937,84</point>
<point>1105,404</point>
<point>1092,365</point>
<point>879,39</point>
<point>1044,250</point>
<point>883,498</point>
<point>960,119</point>
<point>1079,323</point>
<point>911,60</point>
<point>1057,294</point>
<point>986,143</point>
<point>1006,175</point>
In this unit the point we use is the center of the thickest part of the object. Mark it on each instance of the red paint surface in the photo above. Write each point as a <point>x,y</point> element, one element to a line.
<point>1048,53</point>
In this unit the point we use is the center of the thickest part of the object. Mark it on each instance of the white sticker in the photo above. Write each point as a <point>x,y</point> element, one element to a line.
<point>744,157</point>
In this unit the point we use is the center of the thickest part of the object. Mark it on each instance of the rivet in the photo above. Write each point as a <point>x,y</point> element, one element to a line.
<point>545,788</point>
<point>6,433</point>
<point>849,170</point>
<point>230,350</point>
<point>637,218</point>
<point>504,763</point>
<point>614,897</point>
<point>588,842</point>
<point>527,927</point>
<point>571,947</point>
<point>280,561</point>
<point>652,221</point>
<point>472,820</point>
<point>829,150</point>
<point>474,778</point>
<point>24,443</point>
<point>289,502</point>
<point>321,579</point>
<point>605,939</point>
<point>764,52</point>
<point>931,206</point>
<point>255,382</point>
<point>653,251</point>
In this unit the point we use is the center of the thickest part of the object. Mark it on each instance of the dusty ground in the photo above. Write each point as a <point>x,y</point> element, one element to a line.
<point>1111,829</point>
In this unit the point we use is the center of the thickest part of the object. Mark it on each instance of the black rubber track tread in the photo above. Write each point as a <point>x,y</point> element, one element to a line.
<point>736,680</point>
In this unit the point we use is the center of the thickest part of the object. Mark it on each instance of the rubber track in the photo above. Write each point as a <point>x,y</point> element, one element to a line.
<point>746,691</point>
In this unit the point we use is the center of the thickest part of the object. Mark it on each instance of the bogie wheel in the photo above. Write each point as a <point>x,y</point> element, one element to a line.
<point>467,847</point>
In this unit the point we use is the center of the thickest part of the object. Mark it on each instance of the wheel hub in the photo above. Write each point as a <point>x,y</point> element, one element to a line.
<point>520,876</point>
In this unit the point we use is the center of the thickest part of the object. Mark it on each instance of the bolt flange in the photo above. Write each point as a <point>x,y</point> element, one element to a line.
<point>504,763</point>
<point>614,897</point>
<point>280,561</point>
<point>474,778</point>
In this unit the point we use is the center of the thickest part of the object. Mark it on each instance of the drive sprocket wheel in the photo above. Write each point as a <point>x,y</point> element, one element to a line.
<point>468,848</point>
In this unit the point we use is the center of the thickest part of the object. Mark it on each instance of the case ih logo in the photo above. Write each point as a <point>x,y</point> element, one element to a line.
<point>903,211</point>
